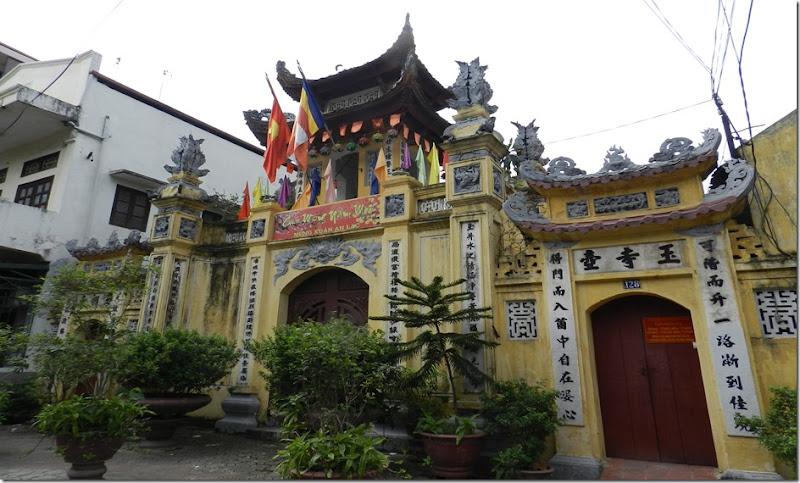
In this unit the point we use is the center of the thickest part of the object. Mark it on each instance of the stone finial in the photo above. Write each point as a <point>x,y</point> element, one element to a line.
<point>188,157</point>
<point>470,88</point>
<point>616,160</point>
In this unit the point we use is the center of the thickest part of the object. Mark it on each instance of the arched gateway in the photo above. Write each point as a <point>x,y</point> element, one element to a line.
<point>651,390</point>
<point>333,292</point>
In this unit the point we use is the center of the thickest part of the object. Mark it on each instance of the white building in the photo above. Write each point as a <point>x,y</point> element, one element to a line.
<point>78,152</point>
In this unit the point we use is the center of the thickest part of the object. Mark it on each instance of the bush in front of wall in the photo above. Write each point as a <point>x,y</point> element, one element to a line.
<point>23,400</point>
<point>778,431</point>
<point>332,367</point>
<point>176,361</point>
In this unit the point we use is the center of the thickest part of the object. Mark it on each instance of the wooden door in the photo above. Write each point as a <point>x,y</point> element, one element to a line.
<point>332,292</point>
<point>651,392</point>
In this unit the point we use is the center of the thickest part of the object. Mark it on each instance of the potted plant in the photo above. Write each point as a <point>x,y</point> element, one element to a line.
<point>79,365</point>
<point>326,453</point>
<point>89,430</point>
<point>526,415</point>
<point>172,369</point>
<point>438,347</point>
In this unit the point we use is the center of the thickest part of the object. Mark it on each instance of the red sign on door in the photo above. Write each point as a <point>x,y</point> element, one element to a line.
<point>668,330</point>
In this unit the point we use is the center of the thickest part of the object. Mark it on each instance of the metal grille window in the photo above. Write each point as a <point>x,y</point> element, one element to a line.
<point>131,209</point>
<point>35,193</point>
<point>521,316</point>
<point>777,312</point>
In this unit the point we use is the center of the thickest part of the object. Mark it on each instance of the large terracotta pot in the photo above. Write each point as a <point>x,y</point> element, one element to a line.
<point>162,426</point>
<point>88,456</point>
<point>451,460</point>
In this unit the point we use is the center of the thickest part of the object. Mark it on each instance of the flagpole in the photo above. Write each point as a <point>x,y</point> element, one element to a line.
<point>327,129</point>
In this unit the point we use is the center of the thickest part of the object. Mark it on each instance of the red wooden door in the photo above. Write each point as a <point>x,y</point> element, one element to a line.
<point>332,292</point>
<point>651,393</point>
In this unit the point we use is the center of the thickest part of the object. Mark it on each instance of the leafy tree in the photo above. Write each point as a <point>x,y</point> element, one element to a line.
<point>436,346</point>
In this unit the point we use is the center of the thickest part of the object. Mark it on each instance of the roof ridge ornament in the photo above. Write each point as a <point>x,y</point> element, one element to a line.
<point>680,148</point>
<point>188,158</point>
<point>616,160</point>
<point>470,87</point>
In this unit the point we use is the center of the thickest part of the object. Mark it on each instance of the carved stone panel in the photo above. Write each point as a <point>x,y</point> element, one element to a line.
<point>618,204</point>
<point>432,205</point>
<point>577,209</point>
<point>257,228</point>
<point>161,227</point>
<point>187,229</point>
<point>667,197</point>
<point>521,317</point>
<point>395,205</point>
<point>467,178</point>
<point>497,182</point>
<point>777,312</point>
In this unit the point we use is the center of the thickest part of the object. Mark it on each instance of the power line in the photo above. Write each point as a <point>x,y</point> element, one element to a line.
<point>58,76</point>
<point>675,33</point>
<point>630,123</point>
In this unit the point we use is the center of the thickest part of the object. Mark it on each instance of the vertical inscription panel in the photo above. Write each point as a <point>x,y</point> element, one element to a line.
<point>563,340</point>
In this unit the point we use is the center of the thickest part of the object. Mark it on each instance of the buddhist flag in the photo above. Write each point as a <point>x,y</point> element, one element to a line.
<point>316,185</point>
<point>379,173</point>
<point>283,195</point>
<point>277,139</point>
<point>433,157</point>
<point>304,200</point>
<point>330,187</point>
<point>309,121</point>
<point>406,164</point>
<point>421,172</point>
<point>244,212</point>
<point>257,192</point>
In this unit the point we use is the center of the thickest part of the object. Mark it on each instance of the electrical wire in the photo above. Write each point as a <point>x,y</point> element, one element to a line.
<point>630,123</point>
<point>16,119</point>
<point>675,33</point>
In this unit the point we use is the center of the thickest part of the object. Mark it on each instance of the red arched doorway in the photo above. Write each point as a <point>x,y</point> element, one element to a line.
<point>651,390</point>
<point>328,293</point>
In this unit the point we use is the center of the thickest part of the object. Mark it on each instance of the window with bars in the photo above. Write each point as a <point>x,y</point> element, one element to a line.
<point>131,209</point>
<point>36,193</point>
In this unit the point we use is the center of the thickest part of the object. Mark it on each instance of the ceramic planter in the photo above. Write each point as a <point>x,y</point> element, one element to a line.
<point>451,460</point>
<point>88,456</point>
<point>162,426</point>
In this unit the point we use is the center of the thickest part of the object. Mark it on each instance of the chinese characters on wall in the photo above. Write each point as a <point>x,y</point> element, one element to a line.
<point>470,271</point>
<point>777,312</point>
<point>249,319</point>
<point>152,294</point>
<point>393,327</point>
<point>627,258</point>
<point>521,317</point>
<point>563,342</point>
<point>729,353</point>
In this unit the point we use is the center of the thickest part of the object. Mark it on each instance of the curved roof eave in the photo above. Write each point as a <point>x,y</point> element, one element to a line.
<point>393,59</point>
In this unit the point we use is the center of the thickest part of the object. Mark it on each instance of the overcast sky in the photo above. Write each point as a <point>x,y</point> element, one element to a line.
<point>577,67</point>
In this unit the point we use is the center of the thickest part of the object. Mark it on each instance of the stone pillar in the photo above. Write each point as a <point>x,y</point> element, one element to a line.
<point>475,190</point>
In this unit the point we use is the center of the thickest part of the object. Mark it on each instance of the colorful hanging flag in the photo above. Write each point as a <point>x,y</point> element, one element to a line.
<point>257,193</point>
<point>342,129</point>
<point>309,121</point>
<point>374,186</point>
<point>379,172</point>
<point>406,164</point>
<point>356,126</point>
<point>433,157</point>
<point>394,120</point>
<point>283,195</point>
<point>445,159</point>
<point>422,175</point>
<point>427,145</point>
<point>405,132</point>
<point>277,138</point>
<point>304,199</point>
<point>330,187</point>
<point>244,211</point>
<point>316,186</point>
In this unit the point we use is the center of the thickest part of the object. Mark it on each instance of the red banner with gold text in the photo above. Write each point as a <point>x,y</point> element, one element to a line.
<point>325,219</point>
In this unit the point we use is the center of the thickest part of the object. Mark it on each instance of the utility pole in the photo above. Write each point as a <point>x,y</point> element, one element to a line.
<point>726,123</point>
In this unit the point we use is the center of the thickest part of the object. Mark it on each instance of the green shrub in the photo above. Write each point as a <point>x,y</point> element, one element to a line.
<point>86,416</point>
<point>349,453</point>
<point>778,432</point>
<point>526,415</point>
<point>334,367</point>
<point>22,401</point>
<point>176,361</point>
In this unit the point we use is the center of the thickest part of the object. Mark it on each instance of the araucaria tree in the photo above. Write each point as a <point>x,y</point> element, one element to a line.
<point>428,307</point>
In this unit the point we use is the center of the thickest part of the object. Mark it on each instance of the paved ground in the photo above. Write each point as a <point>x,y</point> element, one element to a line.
<point>201,454</point>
